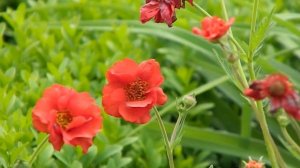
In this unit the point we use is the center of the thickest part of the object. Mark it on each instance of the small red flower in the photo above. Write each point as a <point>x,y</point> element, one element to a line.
<point>254,164</point>
<point>68,116</point>
<point>213,28</point>
<point>133,89</point>
<point>280,91</point>
<point>162,11</point>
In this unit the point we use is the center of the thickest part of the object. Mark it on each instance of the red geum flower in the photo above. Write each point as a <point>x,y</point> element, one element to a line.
<point>133,89</point>
<point>213,28</point>
<point>163,11</point>
<point>280,92</point>
<point>68,116</point>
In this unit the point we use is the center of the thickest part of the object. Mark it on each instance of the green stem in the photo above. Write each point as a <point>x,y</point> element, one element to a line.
<point>201,9</point>
<point>175,130</point>
<point>290,140</point>
<point>178,126</point>
<point>238,67</point>
<point>224,9</point>
<point>38,150</point>
<point>165,137</point>
<point>270,144</point>
<point>295,126</point>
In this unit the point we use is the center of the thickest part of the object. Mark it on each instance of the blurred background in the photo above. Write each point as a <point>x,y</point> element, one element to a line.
<point>73,42</point>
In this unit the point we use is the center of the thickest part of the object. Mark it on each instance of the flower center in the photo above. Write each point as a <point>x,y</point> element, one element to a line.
<point>63,119</point>
<point>277,89</point>
<point>136,91</point>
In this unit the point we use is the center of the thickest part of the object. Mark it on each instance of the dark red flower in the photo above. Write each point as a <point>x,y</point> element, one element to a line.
<point>68,116</point>
<point>280,92</point>
<point>181,3</point>
<point>133,89</point>
<point>213,28</point>
<point>162,11</point>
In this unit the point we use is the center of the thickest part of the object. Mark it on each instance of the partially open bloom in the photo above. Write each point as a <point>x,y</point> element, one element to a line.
<point>280,92</point>
<point>162,11</point>
<point>254,164</point>
<point>68,116</point>
<point>133,89</point>
<point>213,28</point>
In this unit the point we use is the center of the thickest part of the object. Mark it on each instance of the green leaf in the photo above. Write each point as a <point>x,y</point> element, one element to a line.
<point>109,152</point>
<point>2,29</point>
<point>256,41</point>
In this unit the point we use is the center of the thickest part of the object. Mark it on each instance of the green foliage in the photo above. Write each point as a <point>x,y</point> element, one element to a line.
<point>74,42</point>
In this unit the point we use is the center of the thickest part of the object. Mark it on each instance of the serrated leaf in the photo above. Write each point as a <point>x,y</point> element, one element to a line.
<point>255,43</point>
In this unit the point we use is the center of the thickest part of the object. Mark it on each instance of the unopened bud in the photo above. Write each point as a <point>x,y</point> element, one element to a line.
<point>283,120</point>
<point>186,103</point>
<point>232,58</point>
<point>189,101</point>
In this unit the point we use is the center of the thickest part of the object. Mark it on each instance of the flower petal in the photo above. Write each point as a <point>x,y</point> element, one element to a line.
<point>167,12</point>
<point>80,103</point>
<point>84,143</point>
<point>135,115</point>
<point>291,104</point>
<point>41,111</point>
<point>148,11</point>
<point>159,96</point>
<point>197,31</point>
<point>82,127</point>
<point>142,103</point>
<point>56,138</point>
<point>122,72</point>
<point>150,71</point>
<point>112,98</point>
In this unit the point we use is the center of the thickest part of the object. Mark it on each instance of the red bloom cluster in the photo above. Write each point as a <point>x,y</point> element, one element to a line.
<point>68,116</point>
<point>213,28</point>
<point>163,11</point>
<point>133,89</point>
<point>280,91</point>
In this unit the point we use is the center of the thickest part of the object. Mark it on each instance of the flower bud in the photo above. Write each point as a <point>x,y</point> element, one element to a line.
<point>283,120</point>
<point>189,101</point>
<point>186,103</point>
<point>232,58</point>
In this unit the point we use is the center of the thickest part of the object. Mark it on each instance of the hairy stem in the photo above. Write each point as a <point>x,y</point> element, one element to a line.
<point>296,127</point>
<point>201,9</point>
<point>38,150</point>
<point>165,137</point>
<point>290,140</point>
<point>175,130</point>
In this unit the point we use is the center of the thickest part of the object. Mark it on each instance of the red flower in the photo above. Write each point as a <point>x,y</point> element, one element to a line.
<point>254,164</point>
<point>68,116</point>
<point>280,91</point>
<point>133,89</point>
<point>181,3</point>
<point>213,28</point>
<point>163,11</point>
